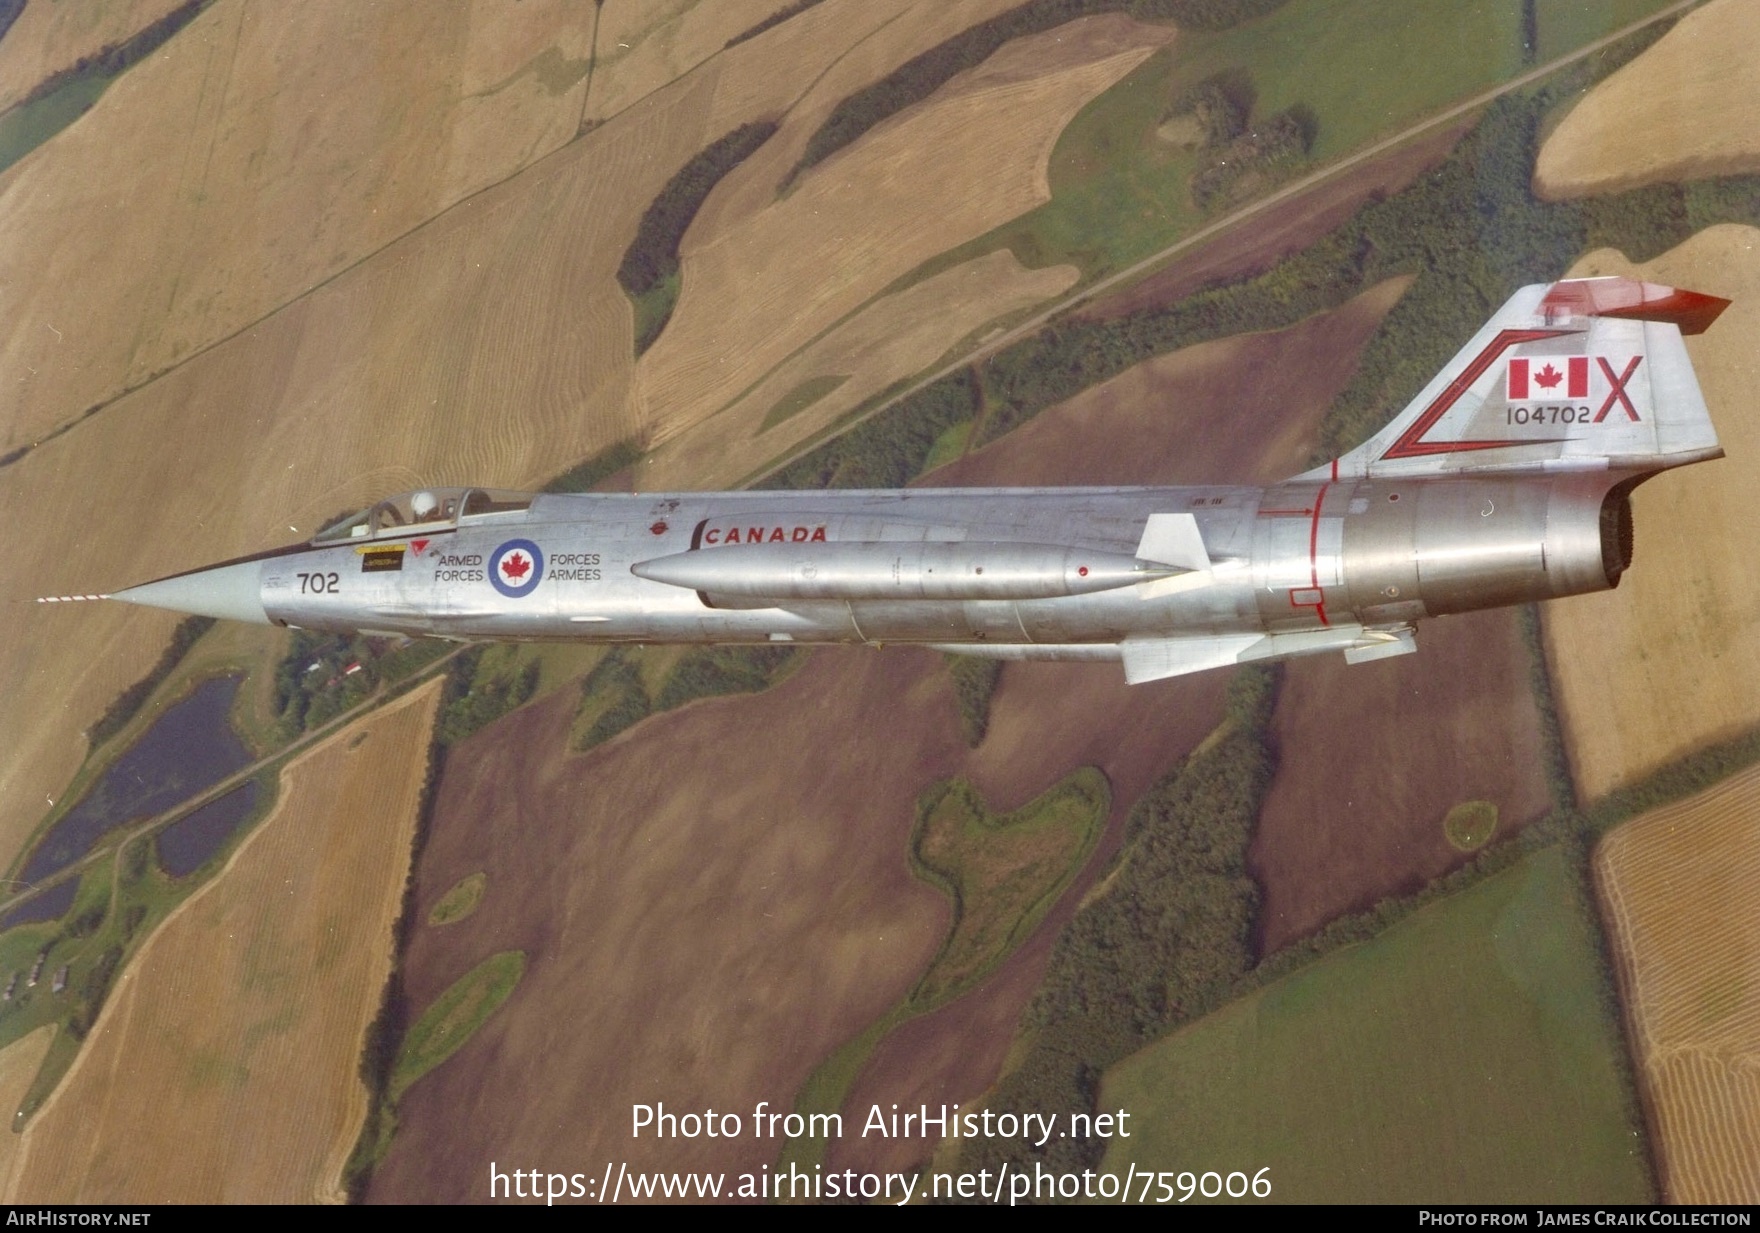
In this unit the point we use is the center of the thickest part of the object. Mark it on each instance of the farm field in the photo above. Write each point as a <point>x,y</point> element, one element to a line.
<point>1689,107</point>
<point>1294,55</point>
<point>1001,874</point>
<point>1257,244</point>
<point>721,779</point>
<point>1187,417</point>
<point>642,47</point>
<point>709,905</point>
<point>892,339</point>
<point>1242,410</point>
<point>246,1010</point>
<point>1338,832</point>
<point>798,923</point>
<point>47,38</point>
<point>1678,887</point>
<point>1682,626</point>
<point>18,1066</point>
<point>501,311</point>
<point>1485,1004</point>
<point>1002,871</point>
<point>270,181</point>
<point>1121,190</point>
<point>970,157</point>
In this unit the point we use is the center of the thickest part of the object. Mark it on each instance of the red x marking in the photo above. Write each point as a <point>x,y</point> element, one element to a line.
<point>1617,392</point>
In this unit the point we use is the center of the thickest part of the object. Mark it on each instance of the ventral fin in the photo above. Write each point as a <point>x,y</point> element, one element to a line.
<point>1173,539</point>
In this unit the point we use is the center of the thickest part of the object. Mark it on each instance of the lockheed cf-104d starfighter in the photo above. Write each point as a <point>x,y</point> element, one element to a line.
<point>1506,480</point>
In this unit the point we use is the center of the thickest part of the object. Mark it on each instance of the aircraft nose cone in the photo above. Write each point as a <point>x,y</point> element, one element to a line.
<point>231,592</point>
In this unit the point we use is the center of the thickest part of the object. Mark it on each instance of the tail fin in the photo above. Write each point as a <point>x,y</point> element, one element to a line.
<point>1586,373</point>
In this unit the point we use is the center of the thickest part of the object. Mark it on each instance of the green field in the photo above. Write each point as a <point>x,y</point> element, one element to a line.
<point>1469,1053</point>
<point>799,399</point>
<point>1470,825</point>
<point>1003,872</point>
<point>455,1016</point>
<point>1120,192</point>
<point>460,901</point>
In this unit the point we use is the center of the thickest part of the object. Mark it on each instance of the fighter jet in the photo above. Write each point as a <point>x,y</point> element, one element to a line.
<point>1508,479</point>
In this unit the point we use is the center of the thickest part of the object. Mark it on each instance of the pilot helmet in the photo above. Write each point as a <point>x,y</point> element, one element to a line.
<point>424,505</point>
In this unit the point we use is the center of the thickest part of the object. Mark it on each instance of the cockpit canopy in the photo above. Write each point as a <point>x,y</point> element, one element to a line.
<point>425,509</point>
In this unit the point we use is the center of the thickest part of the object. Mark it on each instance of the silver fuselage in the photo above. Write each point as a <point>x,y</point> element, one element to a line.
<point>1505,480</point>
<point>1288,559</point>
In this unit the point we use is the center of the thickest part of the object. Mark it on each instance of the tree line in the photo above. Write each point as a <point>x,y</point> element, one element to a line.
<point>616,690</point>
<point>1168,941</point>
<point>771,22</point>
<point>650,264</point>
<point>112,59</point>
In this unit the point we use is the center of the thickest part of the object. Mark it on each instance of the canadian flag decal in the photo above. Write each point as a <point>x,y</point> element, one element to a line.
<point>1543,377</point>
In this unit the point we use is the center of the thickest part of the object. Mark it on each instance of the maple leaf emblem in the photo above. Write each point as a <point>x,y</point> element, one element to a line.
<point>516,565</point>
<point>1548,377</point>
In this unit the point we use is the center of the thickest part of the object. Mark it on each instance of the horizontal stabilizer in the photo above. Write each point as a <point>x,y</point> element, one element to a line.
<point>1152,659</point>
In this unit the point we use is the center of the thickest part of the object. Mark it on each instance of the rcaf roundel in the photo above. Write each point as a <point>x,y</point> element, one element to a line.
<point>516,567</point>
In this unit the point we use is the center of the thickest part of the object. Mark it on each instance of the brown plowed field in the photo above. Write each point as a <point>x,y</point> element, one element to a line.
<point>709,906</point>
<point>1374,755</point>
<point>226,1065</point>
<point>1681,632</point>
<point>1678,885</point>
<point>1688,107</point>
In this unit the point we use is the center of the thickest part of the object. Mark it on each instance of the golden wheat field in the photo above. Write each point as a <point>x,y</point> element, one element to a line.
<point>1688,107</point>
<point>1683,629</point>
<point>897,336</point>
<point>245,1011</point>
<point>18,1066</point>
<point>872,40</point>
<point>1678,885</point>
<point>261,151</point>
<point>969,158</point>
<point>642,46</point>
<point>492,345</point>
<point>48,38</point>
